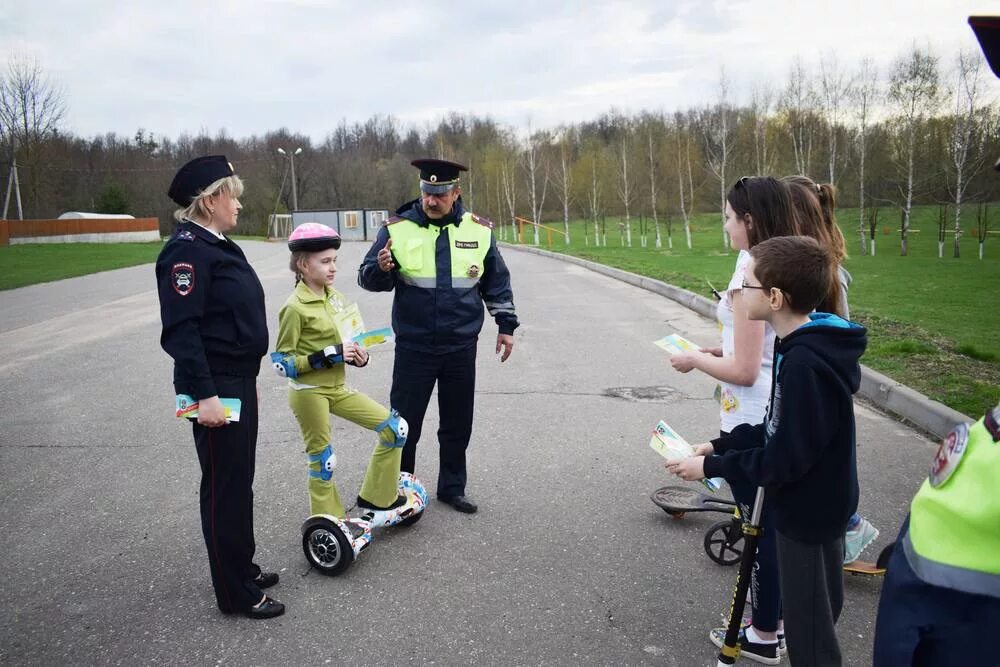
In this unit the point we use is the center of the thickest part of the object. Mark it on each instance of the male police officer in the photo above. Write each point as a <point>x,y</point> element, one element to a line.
<point>444,265</point>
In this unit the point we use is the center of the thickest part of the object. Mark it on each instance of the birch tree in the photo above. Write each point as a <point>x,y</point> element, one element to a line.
<point>797,105</point>
<point>651,154</point>
<point>686,202</point>
<point>761,103</point>
<point>866,96</point>
<point>536,171</point>
<point>563,178</point>
<point>914,91</point>
<point>965,132</point>
<point>626,188</point>
<point>718,124</point>
<point>835,88</point>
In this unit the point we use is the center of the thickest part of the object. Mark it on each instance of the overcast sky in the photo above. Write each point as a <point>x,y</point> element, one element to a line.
<point>175,66</point>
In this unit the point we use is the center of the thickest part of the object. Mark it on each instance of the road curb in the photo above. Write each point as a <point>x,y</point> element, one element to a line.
<point>885,393</point>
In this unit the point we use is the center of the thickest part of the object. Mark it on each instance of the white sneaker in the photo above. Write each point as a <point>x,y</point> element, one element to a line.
<point>855,541</point>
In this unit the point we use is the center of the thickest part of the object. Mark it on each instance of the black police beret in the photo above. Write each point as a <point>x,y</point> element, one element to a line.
<point>437,176</point>
<point>196,175</point>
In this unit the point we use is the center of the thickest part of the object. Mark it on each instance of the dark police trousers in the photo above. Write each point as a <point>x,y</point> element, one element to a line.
<point>227,457</point>
<point>413,377</point>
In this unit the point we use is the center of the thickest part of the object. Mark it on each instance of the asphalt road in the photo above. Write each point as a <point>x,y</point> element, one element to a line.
<point>568,562</point>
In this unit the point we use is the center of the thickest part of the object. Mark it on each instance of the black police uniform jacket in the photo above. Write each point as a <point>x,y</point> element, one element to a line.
<point>212,309</point>
<point>440,321</point>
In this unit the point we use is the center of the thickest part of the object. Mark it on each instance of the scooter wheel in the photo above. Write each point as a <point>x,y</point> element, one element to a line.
<point>722,544</point>
<point>882,562</point>
<point>326,547</point>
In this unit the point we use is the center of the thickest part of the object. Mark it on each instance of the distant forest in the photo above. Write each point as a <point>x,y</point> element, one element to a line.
<point>926,131</point>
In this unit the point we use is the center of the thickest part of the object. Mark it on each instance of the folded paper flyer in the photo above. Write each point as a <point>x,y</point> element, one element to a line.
<point>188,407</point>
<point>675,344</point>
<point>671,446</point>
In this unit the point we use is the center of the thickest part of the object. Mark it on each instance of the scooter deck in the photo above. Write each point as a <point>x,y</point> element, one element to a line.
<point>864,568</point>
<point>678,500</point>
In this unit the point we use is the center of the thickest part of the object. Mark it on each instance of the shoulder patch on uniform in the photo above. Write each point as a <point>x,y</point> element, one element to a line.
<point>394,219</point>
<point>485,222</point>
<point>182,278</point>
<point>185,235</point>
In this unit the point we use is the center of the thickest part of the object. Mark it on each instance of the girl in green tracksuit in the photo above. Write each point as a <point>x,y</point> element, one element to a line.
<point>311,354</point>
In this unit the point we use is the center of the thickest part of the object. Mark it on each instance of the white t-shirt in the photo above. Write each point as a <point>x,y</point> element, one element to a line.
<point>743,405</point>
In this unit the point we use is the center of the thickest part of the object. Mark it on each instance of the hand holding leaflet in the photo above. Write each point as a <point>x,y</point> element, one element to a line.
<point>186,406</point>
<point>676,344</point>
<point>671,446</point>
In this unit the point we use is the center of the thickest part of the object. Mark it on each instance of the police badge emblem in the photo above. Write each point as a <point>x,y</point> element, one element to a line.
<point>473,271</point>
<point>182,278</point>
<point>949,455</point>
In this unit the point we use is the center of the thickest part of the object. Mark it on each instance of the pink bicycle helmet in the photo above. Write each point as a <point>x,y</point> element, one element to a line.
<point>313,237</point>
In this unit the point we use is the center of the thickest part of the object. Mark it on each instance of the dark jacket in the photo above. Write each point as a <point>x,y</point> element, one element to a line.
<point>212,309</point>
<point>804,452</point>
<point>442,319</point>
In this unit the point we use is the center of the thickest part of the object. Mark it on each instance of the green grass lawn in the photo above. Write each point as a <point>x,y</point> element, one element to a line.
<point>31,263</point>
<point>28,264</point>
<point>932,322</point>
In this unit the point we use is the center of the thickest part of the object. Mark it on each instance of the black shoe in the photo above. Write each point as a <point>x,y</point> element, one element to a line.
<point>365,505</point>
<point>266,579</point>
<point>267,609</point>
<point>461,503</point>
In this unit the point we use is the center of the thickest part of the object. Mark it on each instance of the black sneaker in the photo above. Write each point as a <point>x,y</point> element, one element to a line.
<point>766,653</point>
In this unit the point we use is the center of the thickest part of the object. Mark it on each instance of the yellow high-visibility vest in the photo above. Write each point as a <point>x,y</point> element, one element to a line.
<point>954,535</point>
<point>414,247</point>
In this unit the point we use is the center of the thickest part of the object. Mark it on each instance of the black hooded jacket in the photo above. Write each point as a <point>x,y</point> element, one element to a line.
<point>804,452</point>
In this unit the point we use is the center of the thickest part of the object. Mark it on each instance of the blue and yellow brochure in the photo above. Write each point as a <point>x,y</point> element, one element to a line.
<point>675,344</point>
<point>670,445</point>
<point>187,407</point>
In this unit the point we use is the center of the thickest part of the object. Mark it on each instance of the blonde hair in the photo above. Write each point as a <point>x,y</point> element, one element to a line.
<point>230,185</point>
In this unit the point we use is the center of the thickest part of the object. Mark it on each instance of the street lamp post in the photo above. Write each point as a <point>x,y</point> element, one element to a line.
<point>291,158</point>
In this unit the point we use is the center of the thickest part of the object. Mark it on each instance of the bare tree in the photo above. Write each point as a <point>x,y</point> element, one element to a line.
<point>684,165</point>
<point>866,95</point>
<point>509,191</point>
<point>964,132</point>
<point>761,101</point>
<point>537,171</point>
<point>718,124</point>
<point>31,109</point>
<point>563,179</point>
<point>798,106</point>
<point>626,190</point>
<point>652,185</point>
<point>914,90</point>
<point>835,87</point>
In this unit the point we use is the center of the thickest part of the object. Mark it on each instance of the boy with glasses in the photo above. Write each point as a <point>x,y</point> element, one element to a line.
<point>804,451</point>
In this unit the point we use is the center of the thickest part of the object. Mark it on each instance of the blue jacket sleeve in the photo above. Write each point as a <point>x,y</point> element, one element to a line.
<point>181,314</point>
<point>370,277</point>
<point>799,439</point>
<point>495,289</point>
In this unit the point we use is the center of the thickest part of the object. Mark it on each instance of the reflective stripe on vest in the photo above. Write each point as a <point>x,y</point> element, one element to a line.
<point>414,248</point>
<point>954,535</point>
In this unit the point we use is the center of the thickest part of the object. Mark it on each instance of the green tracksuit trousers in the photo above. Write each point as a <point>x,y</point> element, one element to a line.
<point>312,409</point>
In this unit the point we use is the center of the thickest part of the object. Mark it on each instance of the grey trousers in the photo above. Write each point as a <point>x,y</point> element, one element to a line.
<point>812,595</point>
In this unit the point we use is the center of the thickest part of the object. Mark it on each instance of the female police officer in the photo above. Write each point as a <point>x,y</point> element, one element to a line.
<point>215,328</point>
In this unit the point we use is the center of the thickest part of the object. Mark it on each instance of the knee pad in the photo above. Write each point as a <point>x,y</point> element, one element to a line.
<point>399,428</point>
<point>284,364</point>
<point>327,462</point>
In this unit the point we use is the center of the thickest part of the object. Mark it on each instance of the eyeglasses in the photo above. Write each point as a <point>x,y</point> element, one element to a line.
<point>760,287</point>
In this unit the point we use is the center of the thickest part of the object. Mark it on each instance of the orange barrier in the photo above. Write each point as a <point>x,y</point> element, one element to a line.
<point>25,229</point>
<point>524,221</point>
